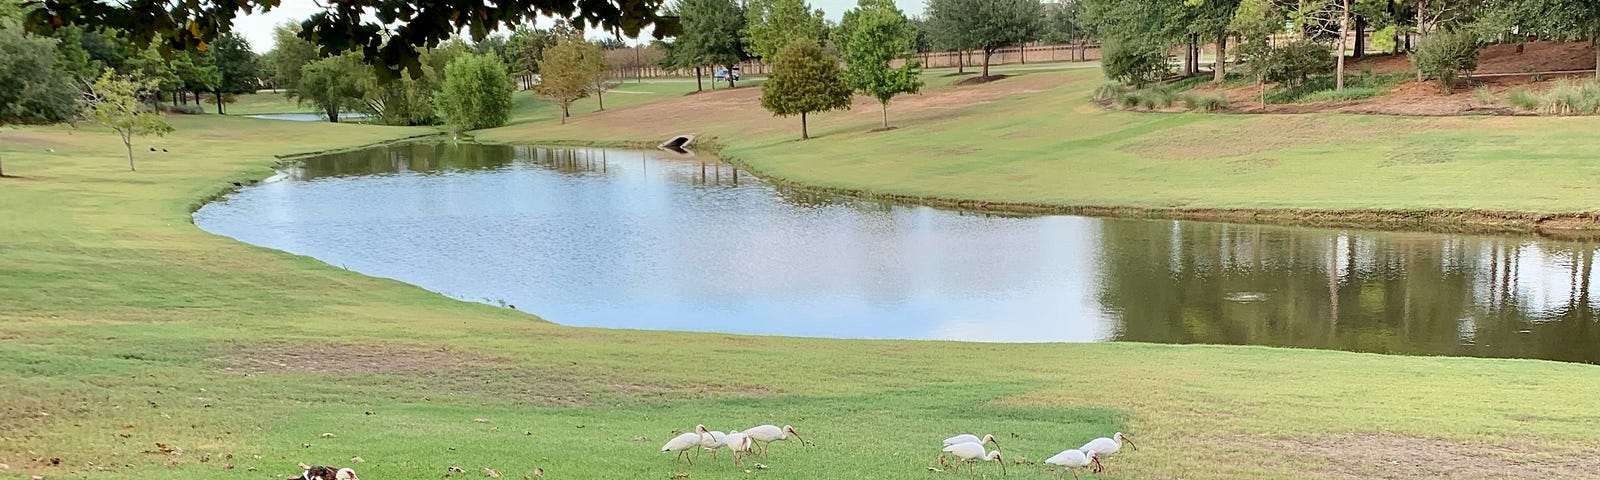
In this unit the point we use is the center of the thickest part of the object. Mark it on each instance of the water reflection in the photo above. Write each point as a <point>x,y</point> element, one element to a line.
<point>657,240</point>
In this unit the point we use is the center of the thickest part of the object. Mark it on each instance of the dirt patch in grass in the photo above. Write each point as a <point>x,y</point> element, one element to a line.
<point>1388,456</point>
<point>1543,56</point>
<point>981,80</point>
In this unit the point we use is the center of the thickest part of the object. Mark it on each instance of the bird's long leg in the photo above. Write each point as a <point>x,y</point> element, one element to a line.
<point>697,450</point>
<point>1074,474</point>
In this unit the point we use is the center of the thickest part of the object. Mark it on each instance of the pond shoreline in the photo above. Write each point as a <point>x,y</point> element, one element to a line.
<point>1561,226</point>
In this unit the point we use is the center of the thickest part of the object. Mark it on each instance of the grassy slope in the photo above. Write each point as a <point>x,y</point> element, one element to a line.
<point>128,327</point>
<point>1026,146</point>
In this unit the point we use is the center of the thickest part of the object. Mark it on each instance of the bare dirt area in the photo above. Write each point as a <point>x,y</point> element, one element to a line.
<point>1500,69</point>
<point>1499,59</point>
<point>1390,456</point>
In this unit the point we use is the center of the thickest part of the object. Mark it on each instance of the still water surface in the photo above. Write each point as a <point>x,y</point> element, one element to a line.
<point>630,239</point>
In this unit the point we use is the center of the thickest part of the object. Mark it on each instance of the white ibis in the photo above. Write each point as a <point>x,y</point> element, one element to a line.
<point>970,438</point>
<point>766,434</point>
<point>1073,460</point>
<point>971,452</point>
<point>740,444</point>
<point>713,441</point>
<point>1107,446</point>
<point>683,443</point>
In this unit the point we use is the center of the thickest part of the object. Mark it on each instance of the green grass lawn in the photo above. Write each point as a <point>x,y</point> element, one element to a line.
<point>263,102</point>
<point>123,327</point>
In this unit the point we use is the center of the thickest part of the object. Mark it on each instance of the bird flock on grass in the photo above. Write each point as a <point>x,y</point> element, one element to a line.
<point>967,449</point>
<point>963,450</point>
<point>752,441</point>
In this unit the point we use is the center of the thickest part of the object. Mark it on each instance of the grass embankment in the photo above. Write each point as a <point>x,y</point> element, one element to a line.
<point>124,327</point>
<point>1035,143</point>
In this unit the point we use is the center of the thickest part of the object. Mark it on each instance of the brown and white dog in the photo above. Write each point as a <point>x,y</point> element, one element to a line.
<point>319,472</point>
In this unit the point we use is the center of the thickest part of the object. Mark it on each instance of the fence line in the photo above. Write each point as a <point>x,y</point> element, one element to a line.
<point>950,59</point>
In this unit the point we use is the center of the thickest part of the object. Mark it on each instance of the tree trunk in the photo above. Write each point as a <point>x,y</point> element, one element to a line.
<point>1219,70</point>
<point>885,114</point>
<point>961,65</point>
<point>986,53</point>
<point>730,75</point>
<point>803,134</point>
<point>566,111</point>
<point>1361,37</point>
<point>600,96</point>
<point>127,143</point>
<point>333,115</point>
<point>1344,34</point>
<point>698,87</point>
<point>219,103</point>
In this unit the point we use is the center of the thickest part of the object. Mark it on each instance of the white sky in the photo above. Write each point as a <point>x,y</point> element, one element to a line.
<point>257,28</point>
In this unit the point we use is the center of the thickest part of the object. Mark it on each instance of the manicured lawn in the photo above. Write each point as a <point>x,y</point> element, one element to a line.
<point>262,102</point>
<point>123,327</point>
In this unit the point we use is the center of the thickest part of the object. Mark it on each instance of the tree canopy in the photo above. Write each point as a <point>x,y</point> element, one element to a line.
<point>114,100</point>
<point>772,25</point>
<point>361,25</point>
<point>565,70</point>
<point>476,93</point>
<point>334,84</point>
<point>986,25</point>
<point>712,33</point>
<point>870,37</point>
<point>804,80</point>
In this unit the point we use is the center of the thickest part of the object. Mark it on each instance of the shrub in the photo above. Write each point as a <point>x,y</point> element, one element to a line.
<point>1134,63</point>
<point>1571,98</point>
<point>1292,63</point>
<point>1162,96</point>
<point>184,109</point>
<point>1523,98</point>
<point>1446,55</point>
<point>476,93</point>
<point>1130,99</point>
<point>1349,93</point>
<point>1111,92</point>
<point>1205,103</point>
<point>1484,95</point>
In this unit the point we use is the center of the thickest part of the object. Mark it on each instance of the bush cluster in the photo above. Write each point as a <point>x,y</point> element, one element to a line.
<point>1445,56</point>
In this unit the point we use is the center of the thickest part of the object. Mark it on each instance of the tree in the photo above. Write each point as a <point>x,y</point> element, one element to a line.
<point>33,87</point>
<point>564,73</point>
<point>598,71</point>
<point>1063,22</point>
<point>943,24</point>
<point>986,25</point>
<point>476,93</point>
<point>334,84</point>
<point>1136,35</point>
<point>804,80</point>
<point>712,32</point>
<point>526,46</point>
<point>772,25</point>
<point>1210,19</point>
<point>290,54</point>
<point>870,37</point>
<point>364,25</point>
<point>236,67</point>
<point>114,99</point>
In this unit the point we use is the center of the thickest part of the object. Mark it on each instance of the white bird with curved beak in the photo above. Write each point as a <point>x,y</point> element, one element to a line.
<point>712,440</point>
<point>766,434</point>
<point>1074,460</point>
<point>970,438</point>
<point>740,444</point>
<point>685,442</point>
<point>1107,446</point>
<point>969,452</point>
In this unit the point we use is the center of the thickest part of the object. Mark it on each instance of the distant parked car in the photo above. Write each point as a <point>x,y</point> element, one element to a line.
<point>722,74</point>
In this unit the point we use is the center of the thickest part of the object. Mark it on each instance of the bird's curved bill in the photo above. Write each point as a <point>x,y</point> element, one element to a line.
<point>1130,442</point>
<point>1003,466</point>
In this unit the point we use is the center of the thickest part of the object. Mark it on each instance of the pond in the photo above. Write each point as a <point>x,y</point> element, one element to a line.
<point>655,240</point>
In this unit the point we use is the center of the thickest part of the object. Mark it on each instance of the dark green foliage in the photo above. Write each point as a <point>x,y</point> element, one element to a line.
<point>237,68</point>
<point>1446,55</point>
<point>771,25</point>
<point>804,80</point>
<point>986,25</point>
<point>526,47</point>
<point>33,87</point>
<point>711,34</point>
<point>350,24</point>
<point>476,93</point>
<point>1292,63</point>
<point>1134,63</point>
<point>335,84</point>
